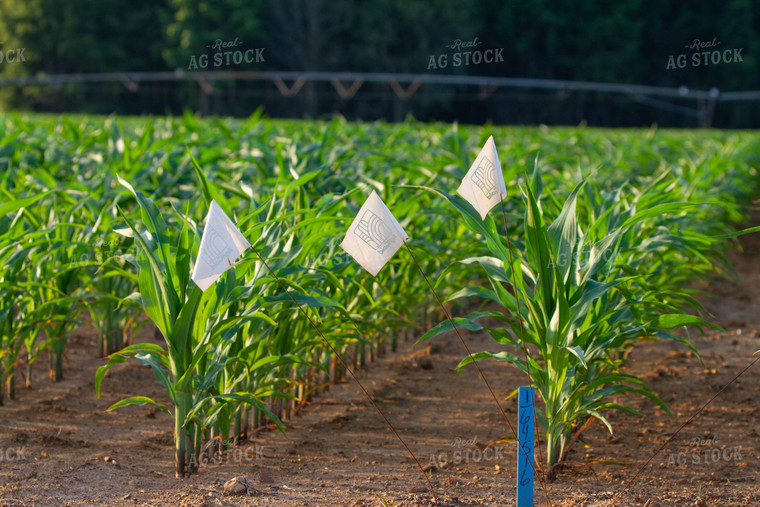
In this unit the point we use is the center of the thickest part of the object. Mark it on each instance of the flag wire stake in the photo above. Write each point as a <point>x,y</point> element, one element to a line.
<point>451,321</point>
<point>632,481</point>
<point>522,332</point>
<point>335,352</point>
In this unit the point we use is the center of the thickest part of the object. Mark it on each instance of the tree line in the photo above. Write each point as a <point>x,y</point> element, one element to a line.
<point>651,42</point>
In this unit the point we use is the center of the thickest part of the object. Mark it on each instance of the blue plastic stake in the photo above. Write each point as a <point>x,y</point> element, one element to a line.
<point>525,437</point>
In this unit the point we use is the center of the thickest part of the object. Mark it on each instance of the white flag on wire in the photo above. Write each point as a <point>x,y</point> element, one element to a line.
<point>374,235</point>
<point>483,185</point>
<point>221,244</point>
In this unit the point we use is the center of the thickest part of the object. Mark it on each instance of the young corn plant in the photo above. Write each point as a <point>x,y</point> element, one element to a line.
<point>15,302</point>
<point>112,312</point>
<point>195,326</point>
<point>16,324</point>
<point>62,277</point>
<point>581,311</point>
<point>39,295</point>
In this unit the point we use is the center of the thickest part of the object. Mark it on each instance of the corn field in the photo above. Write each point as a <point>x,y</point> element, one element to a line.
<point>101,221</point>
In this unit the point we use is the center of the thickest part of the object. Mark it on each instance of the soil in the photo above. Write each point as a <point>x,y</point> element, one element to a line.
<point>61,447</point>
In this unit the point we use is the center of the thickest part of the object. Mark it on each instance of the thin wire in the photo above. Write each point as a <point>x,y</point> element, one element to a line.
<point>350,372</point>
<point>522,332</point>
<point>685,424</point>
<point>546,494</point>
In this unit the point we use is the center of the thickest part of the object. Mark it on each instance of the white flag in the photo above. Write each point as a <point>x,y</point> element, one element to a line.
<point>483,185</point>
<point>374,235</point>
<point>221,244</point>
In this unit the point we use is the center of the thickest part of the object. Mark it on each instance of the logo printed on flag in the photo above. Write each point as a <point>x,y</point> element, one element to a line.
<point>221,244</point>
<point>218,249</point>
<point>372,230</point>
<point>485,177</point>
<point>374,235</point>
<point>483,185</point>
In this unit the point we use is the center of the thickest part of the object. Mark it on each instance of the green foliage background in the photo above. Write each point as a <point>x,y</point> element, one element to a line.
<point>627,41</point>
